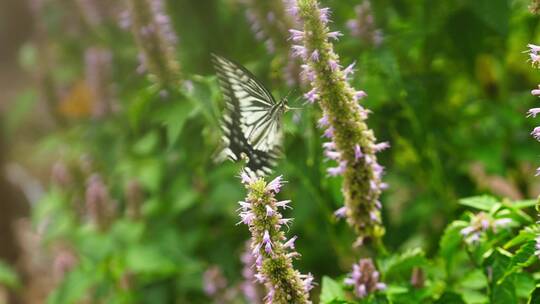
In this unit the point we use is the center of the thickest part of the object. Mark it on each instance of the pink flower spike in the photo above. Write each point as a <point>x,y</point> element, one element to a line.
<point>333,65</point>
<point>244,206</point>
<point>299,51</point>
<point>323,121</point>
<point>315,56</point>
<point>324,14</point>
<point>335,171</point>
<point>312,96</point>
<point>359,95</point>
<point>333,155</point>
<point>269,211</point>
<point>380,286</point>
<point>296,35</point>
<point>290,243</point>
<point>535,59</point>
<point>285,221</point>
<point>533,112</point>
<point>358,152</point>
<point>329,145</point>
<point>275,184</point>
<point>246,178</point>
<point>283,204</point>
<point>292,8</point>
<point>329,132</point>
<point>535,49</point>
<point>341,212</point>
<point>381,146</point>
<point>536,133</point>
<point>308,282</point>
<point>267,242</point>
<point>349,70</point>
<point>334,35</point>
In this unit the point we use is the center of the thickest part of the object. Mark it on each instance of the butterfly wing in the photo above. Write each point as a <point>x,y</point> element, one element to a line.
<point>260,114</point>
<point>250,118</point>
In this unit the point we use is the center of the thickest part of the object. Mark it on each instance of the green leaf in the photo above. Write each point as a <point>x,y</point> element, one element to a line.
<point>146,144</point>
<point>403,263</point>
<point>204,93</point>
<point>474,297</point>
<point>450,243</point>
<point>331,291</point>
<point>184,200</point>
<point>139,107</point>
<point>146,259</point>
<point>174,117</point>
<point>74,286</point>
<point>534,298</point>
<point>19,111</point>
<point>523,236</point>
<point>524,283</point>
<point>450,298</point>
<point>474,280</point>
<point>502,291</point>
<point>484,202</point>
<point>8,277</point>
<point>495,13</point>
<point>524,257</point>
<point>524,204</point>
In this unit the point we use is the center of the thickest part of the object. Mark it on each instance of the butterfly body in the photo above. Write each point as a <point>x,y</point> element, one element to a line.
<point>251,122</point>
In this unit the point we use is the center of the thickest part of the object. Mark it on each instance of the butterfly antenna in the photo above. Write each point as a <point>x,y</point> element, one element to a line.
<point>296,99</point>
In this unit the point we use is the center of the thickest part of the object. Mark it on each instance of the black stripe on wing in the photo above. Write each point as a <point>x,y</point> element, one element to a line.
<point>260,123</point>
<point>258,161</point>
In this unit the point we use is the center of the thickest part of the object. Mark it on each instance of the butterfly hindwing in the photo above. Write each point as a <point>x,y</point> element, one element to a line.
<point>252,118</point>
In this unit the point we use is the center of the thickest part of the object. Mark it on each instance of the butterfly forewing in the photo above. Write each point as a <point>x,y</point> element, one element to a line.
<point>251,120</point>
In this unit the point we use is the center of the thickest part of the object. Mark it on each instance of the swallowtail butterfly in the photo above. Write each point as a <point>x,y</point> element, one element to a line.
<point>251,122</point>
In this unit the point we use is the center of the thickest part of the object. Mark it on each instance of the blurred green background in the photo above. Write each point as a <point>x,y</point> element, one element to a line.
<point>448,88</point>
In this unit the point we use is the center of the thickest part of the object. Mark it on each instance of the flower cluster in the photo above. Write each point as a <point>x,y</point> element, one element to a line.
<point>352,144</point>
<point>98,202</point>
<point>481,223</point>
<point>60,175</point>
<point>364,279</point>
<point>270,23</point>
<point>95,13</point>
<point>534,58</point>
<point>213,281</point>
<point>156,40</point>
<point>98,78</point>
<point>363,26</point>
<point>250,288</point>
<point>271,251</point>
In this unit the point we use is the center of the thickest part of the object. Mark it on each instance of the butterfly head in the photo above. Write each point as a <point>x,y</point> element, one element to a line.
<point>285,103</point>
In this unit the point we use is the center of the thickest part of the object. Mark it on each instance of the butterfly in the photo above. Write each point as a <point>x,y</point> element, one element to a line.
<point>251,122</point>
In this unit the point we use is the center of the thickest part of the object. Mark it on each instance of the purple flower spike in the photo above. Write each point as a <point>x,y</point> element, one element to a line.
<point>270,257</point>
<point>364,279</point>
<point>362,183</point>
<point>329,132</point>
<point>312,96</point>
<point>323,121</point>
